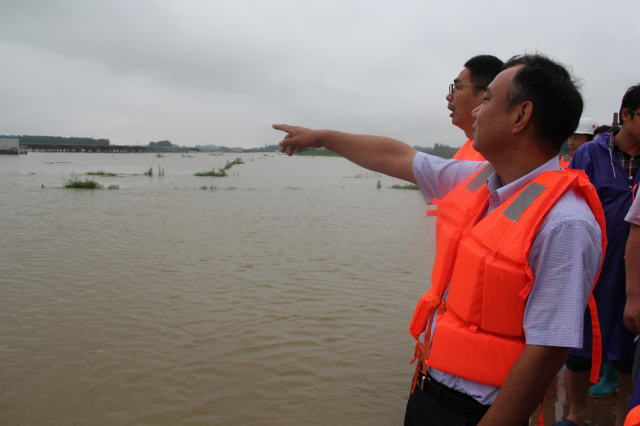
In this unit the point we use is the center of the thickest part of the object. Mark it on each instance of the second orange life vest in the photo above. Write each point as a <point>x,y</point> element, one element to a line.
<point>467,153</point>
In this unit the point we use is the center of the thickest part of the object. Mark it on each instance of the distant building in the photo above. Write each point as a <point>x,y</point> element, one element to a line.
<point>9,144</point>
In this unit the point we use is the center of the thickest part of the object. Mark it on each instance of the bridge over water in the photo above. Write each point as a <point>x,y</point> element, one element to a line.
<point>42,147</point>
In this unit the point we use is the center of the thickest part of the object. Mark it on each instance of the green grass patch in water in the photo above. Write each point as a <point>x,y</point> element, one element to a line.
<point>102,173</point>
<point>76,183</point>
<point>220,173</point>
<point>409,186</point>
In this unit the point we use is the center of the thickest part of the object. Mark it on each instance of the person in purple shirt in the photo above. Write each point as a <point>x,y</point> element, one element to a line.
<point>527,112</point>
<point>611,161</point>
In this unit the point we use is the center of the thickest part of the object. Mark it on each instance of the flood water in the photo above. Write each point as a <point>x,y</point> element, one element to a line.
<point>284,301</point>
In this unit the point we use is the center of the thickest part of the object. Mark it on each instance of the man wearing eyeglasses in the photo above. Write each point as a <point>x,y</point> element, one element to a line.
<point>465,94</point>
<point>611,161</point>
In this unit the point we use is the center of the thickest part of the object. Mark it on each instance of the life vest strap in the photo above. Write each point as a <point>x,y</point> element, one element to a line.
<point>420,352</point>
<point>596,347</point>
<point>540,417</point>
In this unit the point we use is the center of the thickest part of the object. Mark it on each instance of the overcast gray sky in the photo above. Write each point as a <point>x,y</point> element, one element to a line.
<point>201,72</point>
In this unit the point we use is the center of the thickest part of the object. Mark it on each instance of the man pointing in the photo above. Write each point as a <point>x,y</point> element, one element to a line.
<point>508,295</point>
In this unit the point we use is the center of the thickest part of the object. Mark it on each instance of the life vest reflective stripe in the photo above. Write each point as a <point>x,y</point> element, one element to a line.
<point>564,161</point>
<point>479,332</point>
<point>467,153</point>
<point>634,192</point>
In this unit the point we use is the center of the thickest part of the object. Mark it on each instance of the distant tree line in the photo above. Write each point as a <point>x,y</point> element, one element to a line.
<point>166,144</point>
<point>59,140</point>
<point>266,148</point>
<point>439,150</point>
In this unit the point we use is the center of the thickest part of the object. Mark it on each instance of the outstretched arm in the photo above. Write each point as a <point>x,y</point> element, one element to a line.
<point>380,154</point>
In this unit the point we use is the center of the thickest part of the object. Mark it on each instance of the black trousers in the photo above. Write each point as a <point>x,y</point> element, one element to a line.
<point>424,410</point>
<point>427,409</point>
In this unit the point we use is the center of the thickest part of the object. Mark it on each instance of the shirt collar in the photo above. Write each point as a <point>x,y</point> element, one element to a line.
<point>613,147</point>
<point>500,194</point>
<point>612,143</point>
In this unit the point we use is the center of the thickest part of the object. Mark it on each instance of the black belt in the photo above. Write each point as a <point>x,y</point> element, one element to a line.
<point>450,398</point>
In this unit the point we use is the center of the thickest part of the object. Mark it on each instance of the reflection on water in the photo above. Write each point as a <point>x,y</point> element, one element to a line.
<point>284,301</point>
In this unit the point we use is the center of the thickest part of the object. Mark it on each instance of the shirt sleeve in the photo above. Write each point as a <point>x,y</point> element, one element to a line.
<point>634,212</point>
<point>564,260</point>
<point>436,177</point>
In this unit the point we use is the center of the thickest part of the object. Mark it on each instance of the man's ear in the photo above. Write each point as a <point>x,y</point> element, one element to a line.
<point>626,115</point>
<point>522,115</point>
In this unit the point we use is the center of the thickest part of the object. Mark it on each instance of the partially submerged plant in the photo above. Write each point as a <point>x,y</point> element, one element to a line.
<point>220,173</point>
<point>409,186</point>
<point>102,173</point>
<point>77,183</point>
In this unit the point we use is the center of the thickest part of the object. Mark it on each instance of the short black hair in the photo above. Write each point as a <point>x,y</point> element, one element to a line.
<point>483,69</point>
<point>554,93</point>
<point>605,129</point>
<point>630,100</point>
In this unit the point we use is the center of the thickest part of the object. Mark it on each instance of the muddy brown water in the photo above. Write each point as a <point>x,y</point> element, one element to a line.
<point>283,301</point>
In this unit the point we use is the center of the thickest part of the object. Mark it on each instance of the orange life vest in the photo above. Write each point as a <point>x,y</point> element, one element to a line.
<point>467,153</point>
<point>633,418</point>
<point>564,161</point>
<point>483,261</point>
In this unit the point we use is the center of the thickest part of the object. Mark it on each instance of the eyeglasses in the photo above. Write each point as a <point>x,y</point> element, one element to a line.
<point>628,109</point>
<point>455,86</point>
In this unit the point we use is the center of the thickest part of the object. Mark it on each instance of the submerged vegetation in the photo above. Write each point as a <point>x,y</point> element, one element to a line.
<point>215,188</point>
<point>365,175</point>
<point>103,173</point>
<point>222,171</point>
<point>233,163</point>
<point>409,186</point>
<point>77,183</point>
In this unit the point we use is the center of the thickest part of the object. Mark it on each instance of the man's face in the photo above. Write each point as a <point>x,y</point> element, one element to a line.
<point>631,124</point>
<point>576,140</point>
<point>462,102</point>
<point>493,125</point>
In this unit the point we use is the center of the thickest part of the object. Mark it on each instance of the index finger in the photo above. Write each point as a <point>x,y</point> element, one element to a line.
<point>283,127</point>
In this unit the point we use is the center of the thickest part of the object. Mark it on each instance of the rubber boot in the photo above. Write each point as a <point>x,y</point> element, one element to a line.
<point>608,385</point>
